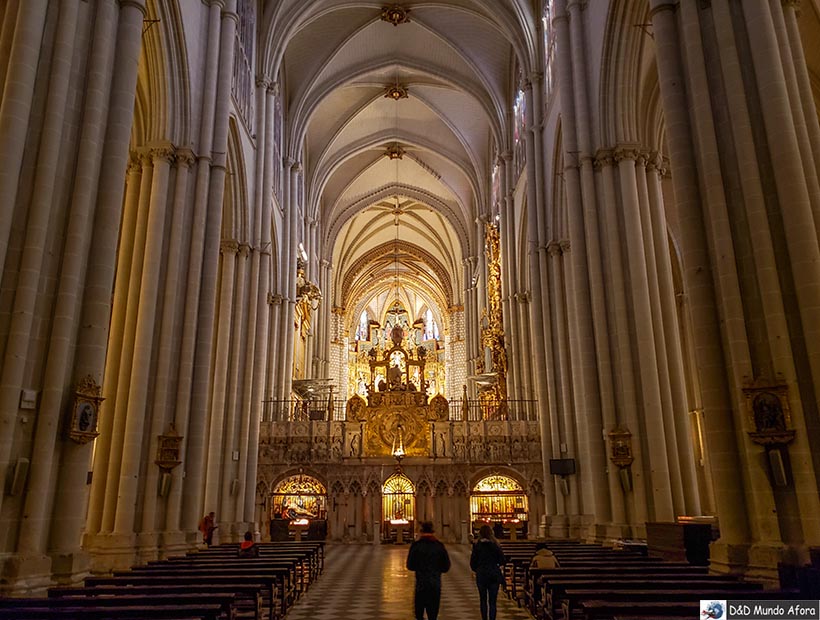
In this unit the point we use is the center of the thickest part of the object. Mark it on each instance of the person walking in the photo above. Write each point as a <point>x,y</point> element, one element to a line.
<point>207,526</point>
<point>486,560</point>
<point>428,558</point>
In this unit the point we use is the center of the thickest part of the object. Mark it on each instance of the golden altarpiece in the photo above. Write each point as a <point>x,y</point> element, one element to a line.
<point>392,454</point>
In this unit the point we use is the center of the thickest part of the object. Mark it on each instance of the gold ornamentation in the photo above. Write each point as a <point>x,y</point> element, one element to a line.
<point>395,15</point>
<point>768,412</point>
<point>492,333</point>
<point>85,412</point>
<point>394,151</point>
<point>395,92</point>
<point>168,449</point>
<point>620,446</point>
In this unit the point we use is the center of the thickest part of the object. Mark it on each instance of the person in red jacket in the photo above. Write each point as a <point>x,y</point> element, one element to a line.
<point>428,559</point>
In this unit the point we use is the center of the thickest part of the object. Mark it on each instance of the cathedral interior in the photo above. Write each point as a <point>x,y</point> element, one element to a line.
<point>330,269</point>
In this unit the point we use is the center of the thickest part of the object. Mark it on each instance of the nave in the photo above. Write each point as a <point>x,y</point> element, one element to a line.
<point>370,582</point>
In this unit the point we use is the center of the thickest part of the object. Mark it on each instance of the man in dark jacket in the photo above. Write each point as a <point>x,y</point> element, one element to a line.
<point>428,559</point>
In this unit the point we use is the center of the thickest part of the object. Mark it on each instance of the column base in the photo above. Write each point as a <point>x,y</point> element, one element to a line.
<point>25,575</point>
<point>71,567</point>
<point>608,533</point>
<point>571,526</point>
<point>110,552</point>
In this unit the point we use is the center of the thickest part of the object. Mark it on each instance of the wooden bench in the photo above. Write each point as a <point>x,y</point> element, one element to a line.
<point>111,612</point>
<point>247,596</point>
<point>267,584</point>
<point>606,610</point>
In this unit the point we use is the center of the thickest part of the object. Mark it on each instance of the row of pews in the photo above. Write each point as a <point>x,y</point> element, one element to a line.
<point>600,583</point>
<point>211,584</point>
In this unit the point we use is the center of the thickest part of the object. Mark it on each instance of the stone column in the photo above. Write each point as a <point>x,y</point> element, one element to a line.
<point>658,225</point>
<point>132,279</point>
<point>805,97</point>
<point>66,522</point>
<point>106,439</point>
<point>700,284</point>
<point>625,394</point>
<point>171,301</point>
<point>203,362</point>
<point>15,110</point>
<point>217,454</point>
<point>41,208</point>
<point>190,410</point>
<point>658,333</point>
<point>97,316</point>
<point>230,470</point>
<point>147,292</point>
<point>799,224</point>
<point>651,401</point>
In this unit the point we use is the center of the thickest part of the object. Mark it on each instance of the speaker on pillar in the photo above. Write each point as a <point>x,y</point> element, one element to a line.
<point>779,468</point>
<point>164,484</point>
<point>19,476</point>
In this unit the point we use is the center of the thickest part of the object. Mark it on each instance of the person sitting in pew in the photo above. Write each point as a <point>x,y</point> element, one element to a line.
<point>248,548</point>
<point>543,558</point>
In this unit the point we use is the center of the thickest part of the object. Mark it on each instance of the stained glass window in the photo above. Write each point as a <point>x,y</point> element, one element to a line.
<point>549,48</point>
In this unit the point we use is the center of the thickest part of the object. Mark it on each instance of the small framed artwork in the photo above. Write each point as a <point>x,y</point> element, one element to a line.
<point>85,412</point>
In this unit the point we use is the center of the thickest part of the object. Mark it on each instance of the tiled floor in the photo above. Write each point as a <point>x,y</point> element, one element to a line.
<point>369,582</point>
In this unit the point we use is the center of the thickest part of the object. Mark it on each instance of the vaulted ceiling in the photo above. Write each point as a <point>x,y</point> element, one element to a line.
<point>410,218</point>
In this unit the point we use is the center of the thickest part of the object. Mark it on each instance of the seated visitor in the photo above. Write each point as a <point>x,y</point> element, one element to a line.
<point>248,548</point>
<point>543,558</point>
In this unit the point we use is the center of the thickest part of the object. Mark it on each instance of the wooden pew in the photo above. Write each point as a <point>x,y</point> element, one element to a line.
<point>111,612</point>
<point>268,585</point>
<point>247,596</point>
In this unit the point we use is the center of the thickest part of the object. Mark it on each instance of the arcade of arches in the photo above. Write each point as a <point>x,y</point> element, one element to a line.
<point>328,268</point>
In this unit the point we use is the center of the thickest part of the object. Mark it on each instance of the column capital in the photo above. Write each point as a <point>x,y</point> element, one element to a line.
<point>162,152</point>
<point>657,6</point>
<point>263,81</point>
<point>274,300</point>
<point>324,263</point>
<point>134,163</point>
<point>274,89</point>
<point>626,151</point>
<point>565,245</point>
<point>554,248</point>
<point>792,4</point>
<point>229,246</point>
<point>244,250</point>
<point>184,157</point>
<point>137,4</point>
<point>603,157</point>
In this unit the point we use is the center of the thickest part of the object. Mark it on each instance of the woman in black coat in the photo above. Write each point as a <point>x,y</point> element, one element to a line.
<point>486,561</point>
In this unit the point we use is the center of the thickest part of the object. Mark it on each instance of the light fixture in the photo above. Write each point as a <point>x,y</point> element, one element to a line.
<point>398,445</point>
<point>395,14</point>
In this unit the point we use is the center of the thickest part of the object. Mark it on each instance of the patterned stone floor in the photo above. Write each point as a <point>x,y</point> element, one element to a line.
<point>369,582</point>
